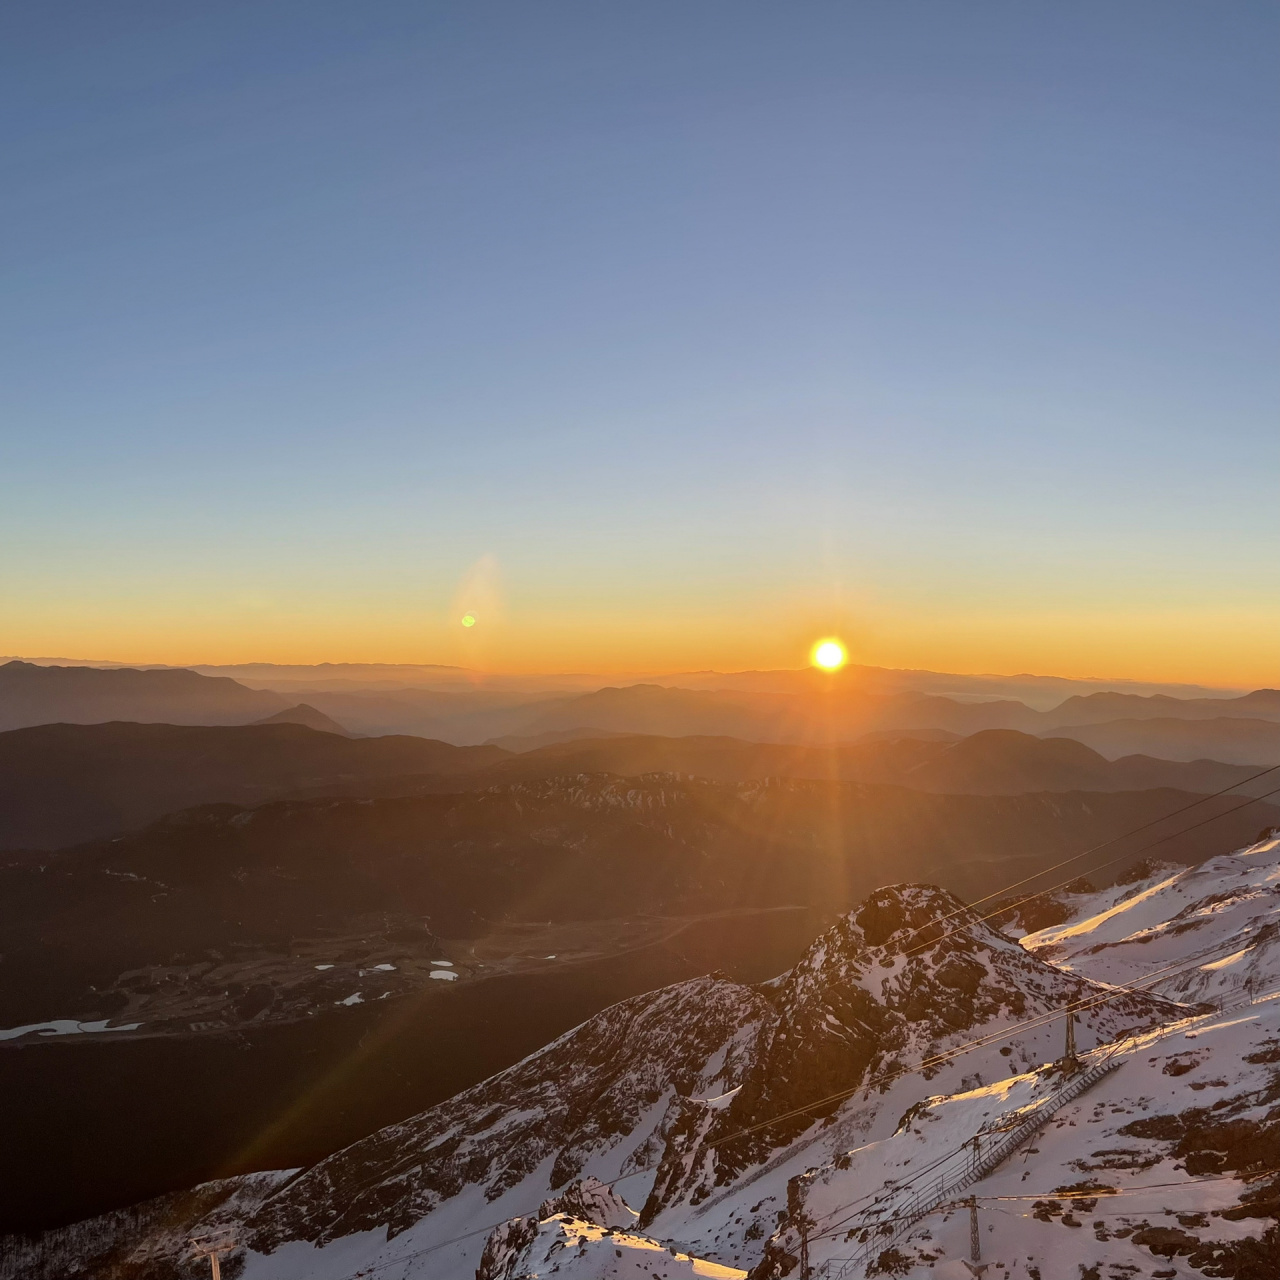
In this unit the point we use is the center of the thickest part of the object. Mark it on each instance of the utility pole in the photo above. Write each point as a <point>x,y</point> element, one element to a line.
<point>804,1248</point>
<point>210,1247</point>
<point>1070,1062</point>
<point>975,1264</point>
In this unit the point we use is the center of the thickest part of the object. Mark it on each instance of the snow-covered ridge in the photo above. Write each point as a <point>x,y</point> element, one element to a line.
<point>1225,911</point>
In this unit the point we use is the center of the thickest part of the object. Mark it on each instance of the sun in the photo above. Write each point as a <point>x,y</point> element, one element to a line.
<point>829,654</point>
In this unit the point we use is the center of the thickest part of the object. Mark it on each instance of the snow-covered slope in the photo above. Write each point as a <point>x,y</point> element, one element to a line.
<point>1224,912</point>
<point>1167,1166</point>
<point>883,992</point>
<point>649,1091</point>
<point>590,1103</point>
<point>702,1130</point>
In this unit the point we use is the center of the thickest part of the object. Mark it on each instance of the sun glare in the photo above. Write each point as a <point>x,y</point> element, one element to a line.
<point>830,655</point>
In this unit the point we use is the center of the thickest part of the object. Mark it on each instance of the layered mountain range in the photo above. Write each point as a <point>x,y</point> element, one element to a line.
<point>803,707</point>
<point>141,928</point>
<point>65,783</point>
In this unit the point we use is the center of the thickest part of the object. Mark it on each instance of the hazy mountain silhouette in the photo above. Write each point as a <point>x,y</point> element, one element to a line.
<point>31,695</point>
<point>305,715</point>
<point>992,762</point>
<point>838,713</point>
<point>465,717</point>
<point>1222,738</point>
<point>61,783</point>
<point>553,737</point>
<point>1042,692</point>
<point>823,715</point>
<point>792,706</point>
<point>1096,708</point>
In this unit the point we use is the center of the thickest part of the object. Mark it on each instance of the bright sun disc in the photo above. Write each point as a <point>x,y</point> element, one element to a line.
<point>830,655</point>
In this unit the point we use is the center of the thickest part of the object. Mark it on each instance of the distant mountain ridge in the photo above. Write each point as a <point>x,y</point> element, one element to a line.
<point>64,783</point>
<point>991,762</point>
<point>794,707</point>
<point>839,714</point>
<point>304,714</point>
<point>1233,739</point>
<point>60,784</point>
<point>32,695</point>
<point>1035,690</point>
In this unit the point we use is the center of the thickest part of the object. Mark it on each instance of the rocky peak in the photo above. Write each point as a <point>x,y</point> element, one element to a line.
<point>590,1200</point>
<point>904,976</point>
<point>586,1202</point>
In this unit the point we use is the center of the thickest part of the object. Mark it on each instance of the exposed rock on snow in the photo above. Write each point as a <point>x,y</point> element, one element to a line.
<point>576,1250</point>
<point>590,1224</point>
<point>886,989</point>
<point>590,1200</point>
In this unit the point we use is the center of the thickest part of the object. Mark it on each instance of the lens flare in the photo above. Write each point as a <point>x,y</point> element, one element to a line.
<point>468,620</point>
<point>829,654</point>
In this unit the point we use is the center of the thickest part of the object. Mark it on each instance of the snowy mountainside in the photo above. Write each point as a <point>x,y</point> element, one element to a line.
<point>1171,916</point>
<point>727,1114</point>
<point>1168,1166</point>
<point>886,986</point>
<point>587,1232</point>
<point>591,1101</point>
<point>886,990</point>
<point>647,1090</point>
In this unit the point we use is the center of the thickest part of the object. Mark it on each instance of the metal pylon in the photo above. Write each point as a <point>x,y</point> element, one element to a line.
<point>1070,1061</point>
<point>975,1264</point>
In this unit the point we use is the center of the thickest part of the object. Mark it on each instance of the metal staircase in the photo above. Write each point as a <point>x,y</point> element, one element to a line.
<point>883,1226</point>
<point>881,1233</point>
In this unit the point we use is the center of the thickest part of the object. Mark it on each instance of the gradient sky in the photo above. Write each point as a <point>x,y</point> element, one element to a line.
<point>657,335</point>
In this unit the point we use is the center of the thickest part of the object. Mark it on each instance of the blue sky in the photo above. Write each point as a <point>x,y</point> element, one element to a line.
<point>699,326</point>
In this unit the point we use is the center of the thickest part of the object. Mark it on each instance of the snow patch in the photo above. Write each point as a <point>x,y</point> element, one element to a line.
<point>65,1027</point>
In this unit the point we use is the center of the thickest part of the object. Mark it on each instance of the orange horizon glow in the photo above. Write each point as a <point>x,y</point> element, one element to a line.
<point>1229,653</point>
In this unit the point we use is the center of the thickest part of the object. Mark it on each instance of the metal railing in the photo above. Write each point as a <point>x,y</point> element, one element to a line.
<point>941,1191</point>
